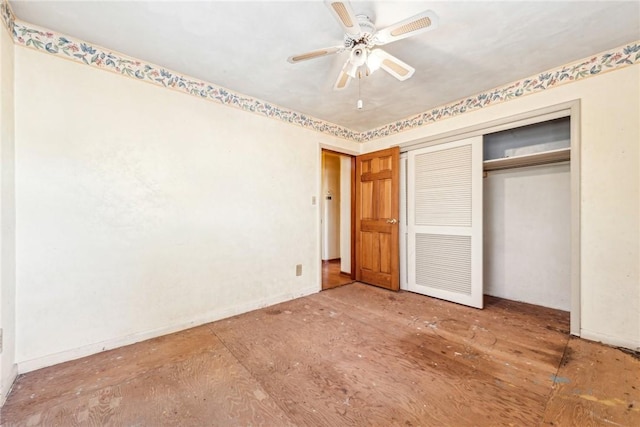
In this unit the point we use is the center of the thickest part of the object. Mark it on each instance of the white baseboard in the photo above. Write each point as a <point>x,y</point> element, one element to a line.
<point>212,316</point>
<point>610,340</point>
<point>6,387</point>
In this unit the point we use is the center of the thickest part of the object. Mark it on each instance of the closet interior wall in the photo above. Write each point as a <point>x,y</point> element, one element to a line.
<point>527,217</point>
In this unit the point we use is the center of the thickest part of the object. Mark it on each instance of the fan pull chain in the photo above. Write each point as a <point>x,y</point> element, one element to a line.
<point>359,104</point>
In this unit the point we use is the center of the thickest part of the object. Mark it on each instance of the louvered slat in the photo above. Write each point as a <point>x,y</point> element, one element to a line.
<point>443,187</point>
<point>444,262</point>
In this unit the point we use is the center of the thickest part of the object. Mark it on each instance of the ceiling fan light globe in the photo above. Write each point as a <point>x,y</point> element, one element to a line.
<point>350,69</point>
<point>373,62</point>
<point>359,56</point>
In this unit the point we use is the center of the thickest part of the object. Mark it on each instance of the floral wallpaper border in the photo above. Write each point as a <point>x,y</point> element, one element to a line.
<point>46,41</point>
<point>8,17</point>
<point>622,56</point>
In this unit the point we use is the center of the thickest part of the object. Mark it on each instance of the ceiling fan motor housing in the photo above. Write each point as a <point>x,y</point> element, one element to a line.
<point>365,37</point>
<point>361,41</point>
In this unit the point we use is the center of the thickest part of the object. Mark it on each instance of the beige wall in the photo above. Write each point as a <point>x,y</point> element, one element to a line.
<point>143,210</point>
<point>7,214</point>
<point>610,193</point>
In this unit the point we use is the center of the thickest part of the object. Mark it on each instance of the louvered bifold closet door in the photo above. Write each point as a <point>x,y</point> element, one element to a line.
<point>444,209</point>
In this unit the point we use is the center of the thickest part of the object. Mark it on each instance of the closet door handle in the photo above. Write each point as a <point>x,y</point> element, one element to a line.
<point>392,221</point>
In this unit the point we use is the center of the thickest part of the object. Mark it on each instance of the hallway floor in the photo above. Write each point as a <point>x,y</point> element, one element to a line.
<point>331,275</point>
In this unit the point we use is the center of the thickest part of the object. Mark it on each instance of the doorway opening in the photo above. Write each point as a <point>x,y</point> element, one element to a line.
<point>337,211</point>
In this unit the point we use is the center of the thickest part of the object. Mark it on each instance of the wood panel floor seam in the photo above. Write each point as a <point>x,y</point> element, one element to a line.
<point>247,368</point>
<point>555,376</point>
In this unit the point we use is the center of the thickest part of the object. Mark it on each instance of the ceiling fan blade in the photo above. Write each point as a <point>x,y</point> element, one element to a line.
<point>392,65</point>
<point>348,71</point>
<point>423,21</point>
<point>315,54</point>
<point>342,11</point>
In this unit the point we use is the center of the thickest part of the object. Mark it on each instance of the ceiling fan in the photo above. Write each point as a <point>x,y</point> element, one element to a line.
<point>361,38</point>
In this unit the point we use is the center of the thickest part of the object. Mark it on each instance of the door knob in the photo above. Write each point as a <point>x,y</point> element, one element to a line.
<point>392,221</point>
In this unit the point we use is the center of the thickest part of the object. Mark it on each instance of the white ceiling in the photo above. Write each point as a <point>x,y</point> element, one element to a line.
<point>243,46</point>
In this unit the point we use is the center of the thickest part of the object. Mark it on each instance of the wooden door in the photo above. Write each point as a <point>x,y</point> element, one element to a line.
<point>377,213</point>
<point>444,207</point>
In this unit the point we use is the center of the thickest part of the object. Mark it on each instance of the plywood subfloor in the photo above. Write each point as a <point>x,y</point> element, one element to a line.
<point>354,355</point>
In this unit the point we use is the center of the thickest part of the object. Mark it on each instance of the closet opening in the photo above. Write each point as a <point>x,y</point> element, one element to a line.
<point>527,214</point>
<point>527,169</point>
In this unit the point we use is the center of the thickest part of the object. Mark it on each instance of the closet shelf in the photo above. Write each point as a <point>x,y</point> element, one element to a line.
<point>552,156</point>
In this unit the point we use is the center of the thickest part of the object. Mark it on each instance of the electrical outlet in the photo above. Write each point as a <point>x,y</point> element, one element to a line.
<point>299,270</point>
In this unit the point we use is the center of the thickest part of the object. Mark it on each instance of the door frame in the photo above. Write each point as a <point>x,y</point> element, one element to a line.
<point>569,109</point>
<point>352,155</point>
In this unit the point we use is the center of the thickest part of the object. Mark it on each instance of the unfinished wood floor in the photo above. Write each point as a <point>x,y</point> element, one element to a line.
<point>354,355</point>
